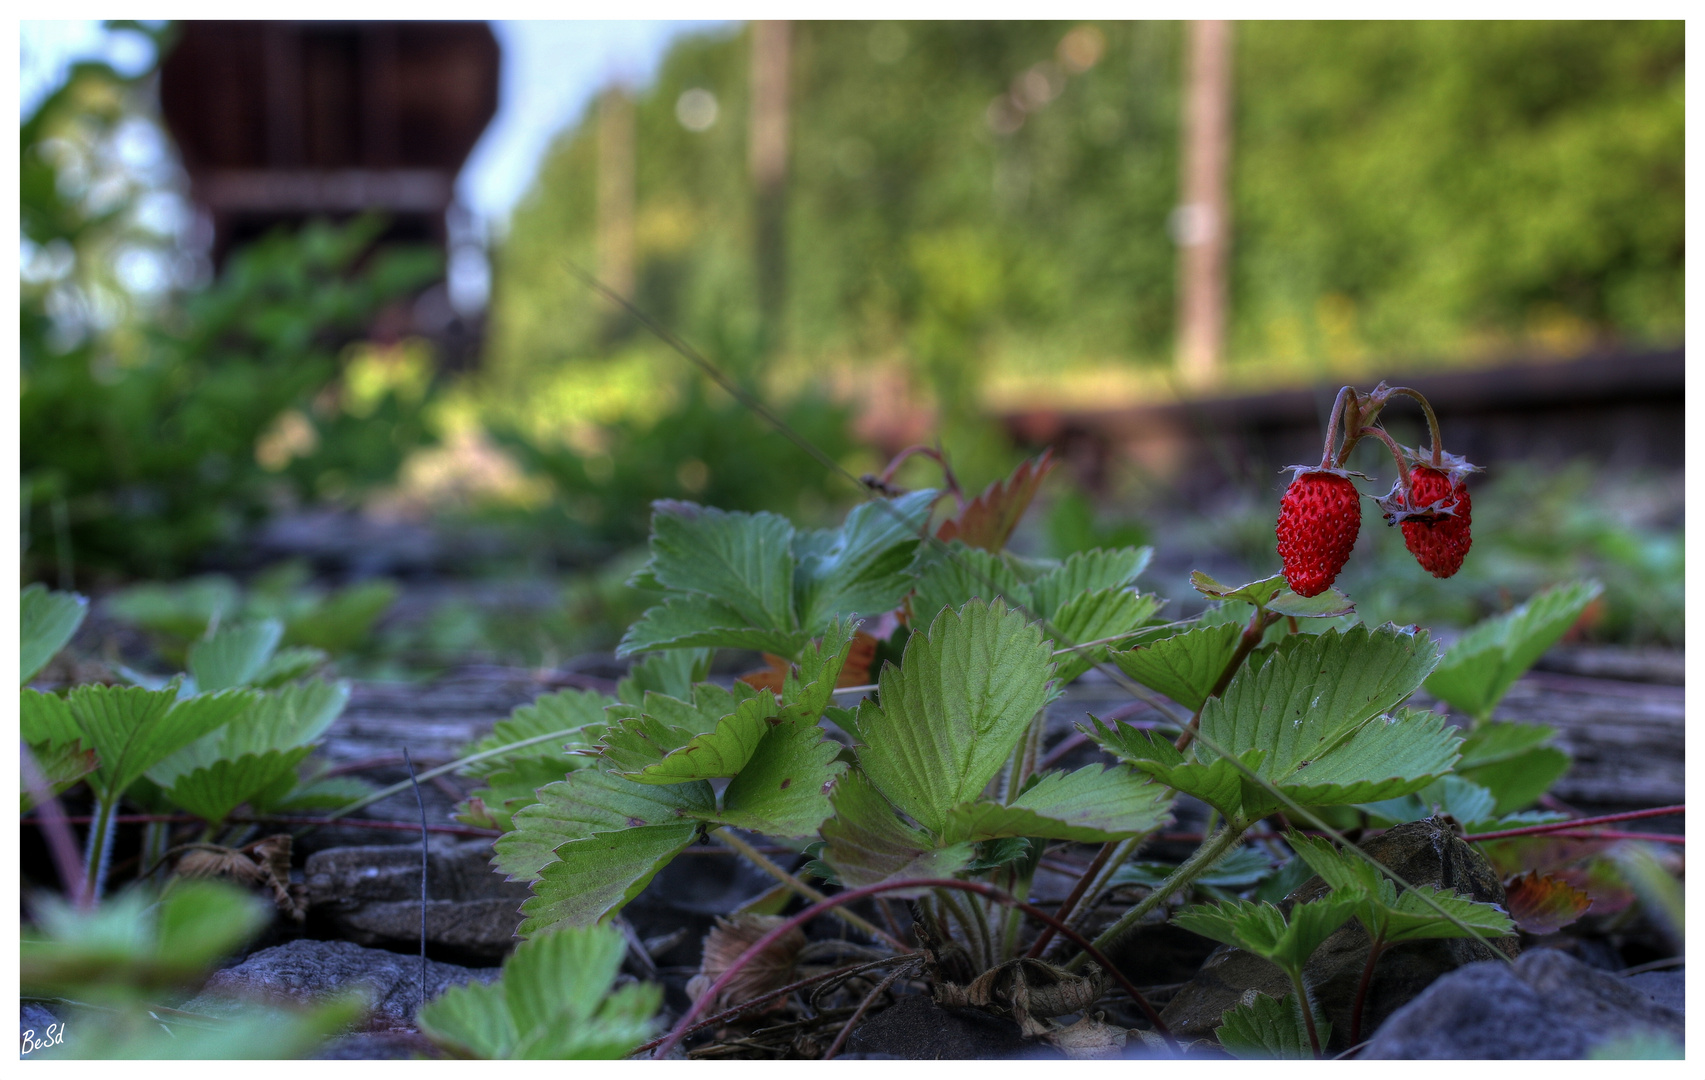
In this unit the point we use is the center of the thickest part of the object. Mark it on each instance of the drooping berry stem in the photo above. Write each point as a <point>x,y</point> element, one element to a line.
<point>1390,444</point>
<point>1432,420</point>
<point>1346,395</point>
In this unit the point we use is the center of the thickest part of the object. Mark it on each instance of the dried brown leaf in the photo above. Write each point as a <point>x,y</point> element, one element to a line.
<point>266,862</point>
<point>1542,904</point>
<point>769,970</point>
<point>1090,1039</point>
<point>1027,990</point>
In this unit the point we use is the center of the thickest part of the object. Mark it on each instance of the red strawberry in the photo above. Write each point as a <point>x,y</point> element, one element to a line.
<point>1438,539</point>
<point>1318,520</point>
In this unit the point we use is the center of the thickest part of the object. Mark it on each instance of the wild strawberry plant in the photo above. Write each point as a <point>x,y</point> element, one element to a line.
<point>933,772</point>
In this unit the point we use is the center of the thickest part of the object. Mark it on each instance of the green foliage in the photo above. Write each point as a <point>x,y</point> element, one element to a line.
<point>132,729</point>
<point>867,842</point>
<point>143,414</point>
<point>951,713</point>
<point>135,942</point>
<point>61,751</point>
<point>1313,720</point>
<point>46,621</point>
<point>1389,917</point>
<point>1185,666</point>
<point>234,655</point>
<point>1484,663</point>
<point>751,581</point>
<point>1262,929</point>
<point>315,622</point>
<point>556,999</point>
<point>1084,598</point>
<point>1090,805</point>
<point>672,436</point>
<point>512,780</point>
<point>1261,1027</point>
<point>1512,761</point>
<point>122,956</point>
<point>1475,807</point>
<point>1239,870</point>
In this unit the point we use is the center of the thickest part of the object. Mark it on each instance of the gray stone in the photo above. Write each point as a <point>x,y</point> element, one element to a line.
<point>1667,988</point>
<point>915,1028</point>
<point>1547,1005</point>
<point>305,972</point>
<point>1422,853</point>
<point>371,896</point>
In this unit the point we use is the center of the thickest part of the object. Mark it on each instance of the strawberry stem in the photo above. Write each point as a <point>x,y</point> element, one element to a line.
<point>1345,394</point>
<point>934,453</point>
<point>1396,452</point>
<point>1432,420</point>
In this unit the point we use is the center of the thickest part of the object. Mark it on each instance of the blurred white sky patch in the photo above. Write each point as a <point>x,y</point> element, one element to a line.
<point>551,72</point>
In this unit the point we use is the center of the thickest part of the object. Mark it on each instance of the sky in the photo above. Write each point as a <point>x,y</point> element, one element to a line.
<point>551,71</point>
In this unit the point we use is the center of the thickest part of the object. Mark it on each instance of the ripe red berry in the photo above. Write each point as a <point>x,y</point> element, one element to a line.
<point>1318,520</point>
<point>1440,540</point>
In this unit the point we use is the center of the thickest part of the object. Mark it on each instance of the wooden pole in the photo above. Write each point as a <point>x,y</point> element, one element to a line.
<point>771,63</point>
<point>616,191</point>
<point>1202,223</point>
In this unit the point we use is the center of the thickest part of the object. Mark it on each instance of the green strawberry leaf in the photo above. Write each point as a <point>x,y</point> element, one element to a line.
<point>691,620</point>
<point>782,790</point>
<point>132,729</point>
<point>1090,805</point>
<point>1389,756</point>
<point>722,752</point>
<point>46,621</point>
<point>1484,663</point>
<point>950,578</point>
<point>743,560</point>
<point>810,693</point>
<point>288,665</point>
<point>950,715</point>
<point>1462,799</point>
<point>211,793</point>
<point>342,621</point>
<point>1518,782</point>
<point>1262,1028</point>
<point>234,655</point>
<point>1313,692</point>
<point>1239,870</point>
<point>1312,708</point>
<point>554,1001</point>
<point>1185,666</point>
<point>1264,930</point>
<point>1087,572</point>
<point>507,790</point>
<point>1330,604</point>
<point>591,802</point>
<point>46,718</point>
<point>1259,593</point>
<point>866,842</point>
<point>1094,616</point>
<point>1386,914</point>
<point>671,671</point>
<point>61,765</point>
<point>283,719</point>
<point>592,878</point>
<point>862,567</point>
